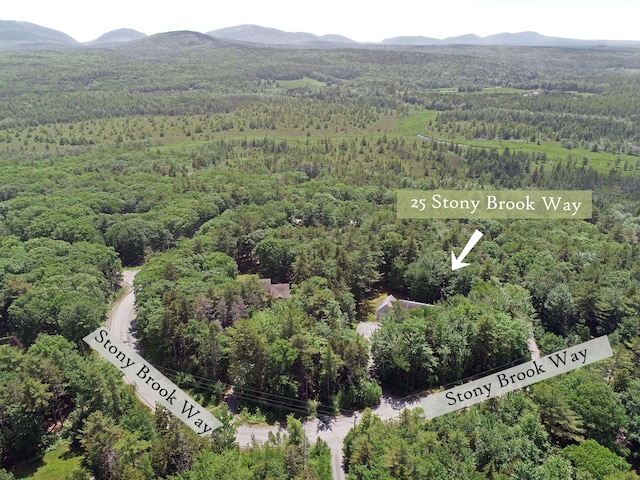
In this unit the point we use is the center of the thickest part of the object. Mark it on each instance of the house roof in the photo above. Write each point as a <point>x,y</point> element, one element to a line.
<point>280,290</point>
<point>276,290</point>
<point>388,302</point>
<point>385,304</point>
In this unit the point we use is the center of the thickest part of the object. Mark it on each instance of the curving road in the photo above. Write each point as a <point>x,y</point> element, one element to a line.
<point>120,323</point>
<point>123,312</point>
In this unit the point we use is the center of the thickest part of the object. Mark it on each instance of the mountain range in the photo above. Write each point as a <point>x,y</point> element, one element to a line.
<point>29,35</point>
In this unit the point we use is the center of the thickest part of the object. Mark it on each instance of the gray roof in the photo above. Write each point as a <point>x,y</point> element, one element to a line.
<point>388,302</point>
<point>277,290</point>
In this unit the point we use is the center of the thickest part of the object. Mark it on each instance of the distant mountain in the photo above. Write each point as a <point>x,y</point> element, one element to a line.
<point>468,39</point>
<point>167,45</point>
<point>118,36</point>
<point>181,38</point>
<point>336,39</point>
<point>14,33</point>
<point>523,38</point>
<point>529,39</point>
<point>258,34</point>
<point>411,40</point>
<point>273,36</point>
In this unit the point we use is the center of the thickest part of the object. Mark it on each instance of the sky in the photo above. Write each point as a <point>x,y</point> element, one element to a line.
<point>358,20</point>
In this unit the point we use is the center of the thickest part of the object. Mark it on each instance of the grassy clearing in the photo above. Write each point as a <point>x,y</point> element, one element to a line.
<point>246,276</point>
<point>180,144</point>
<point>601,161</point>
<point>416,124</point>
<point>302,83</point>
<point>186,134</point>
<point>503,90</point>
<point>57,464</point>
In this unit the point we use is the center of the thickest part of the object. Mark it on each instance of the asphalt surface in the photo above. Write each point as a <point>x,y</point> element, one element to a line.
<point>123,313</point>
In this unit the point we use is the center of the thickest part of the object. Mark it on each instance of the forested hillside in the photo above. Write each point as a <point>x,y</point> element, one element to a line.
<point>208,165</point>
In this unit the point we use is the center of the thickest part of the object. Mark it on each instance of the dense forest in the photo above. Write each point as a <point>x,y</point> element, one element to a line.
<point>208,165</point>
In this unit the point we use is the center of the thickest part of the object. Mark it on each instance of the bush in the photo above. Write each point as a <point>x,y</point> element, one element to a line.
<point>366,393</point>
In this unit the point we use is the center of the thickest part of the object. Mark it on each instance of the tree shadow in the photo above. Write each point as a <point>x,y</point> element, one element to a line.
<point>364,310</point>
<point>29,468</point>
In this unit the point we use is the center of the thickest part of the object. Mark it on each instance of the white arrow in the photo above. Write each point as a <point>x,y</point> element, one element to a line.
<point>456,263</point>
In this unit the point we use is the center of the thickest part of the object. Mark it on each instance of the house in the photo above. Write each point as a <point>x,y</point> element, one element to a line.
<point>276,290</point>
<point>388,302</point>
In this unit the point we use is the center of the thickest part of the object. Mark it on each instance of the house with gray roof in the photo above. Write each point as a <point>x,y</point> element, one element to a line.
<point>387,303</point>
<point>277,290</point>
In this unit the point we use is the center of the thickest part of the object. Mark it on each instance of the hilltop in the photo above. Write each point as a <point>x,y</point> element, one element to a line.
<point>22,33</point>
<point>258,34</point>
<point>120,35</point>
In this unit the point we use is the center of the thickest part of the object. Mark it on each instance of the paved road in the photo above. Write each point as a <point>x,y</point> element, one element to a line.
<point>123,314</point>
<point>333,432</point>
<point>119,322</point>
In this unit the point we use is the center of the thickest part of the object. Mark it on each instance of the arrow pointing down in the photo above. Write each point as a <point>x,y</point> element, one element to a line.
<point>456,263</point>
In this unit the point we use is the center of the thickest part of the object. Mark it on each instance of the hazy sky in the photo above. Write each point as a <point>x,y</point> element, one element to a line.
<point>358,20</point>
